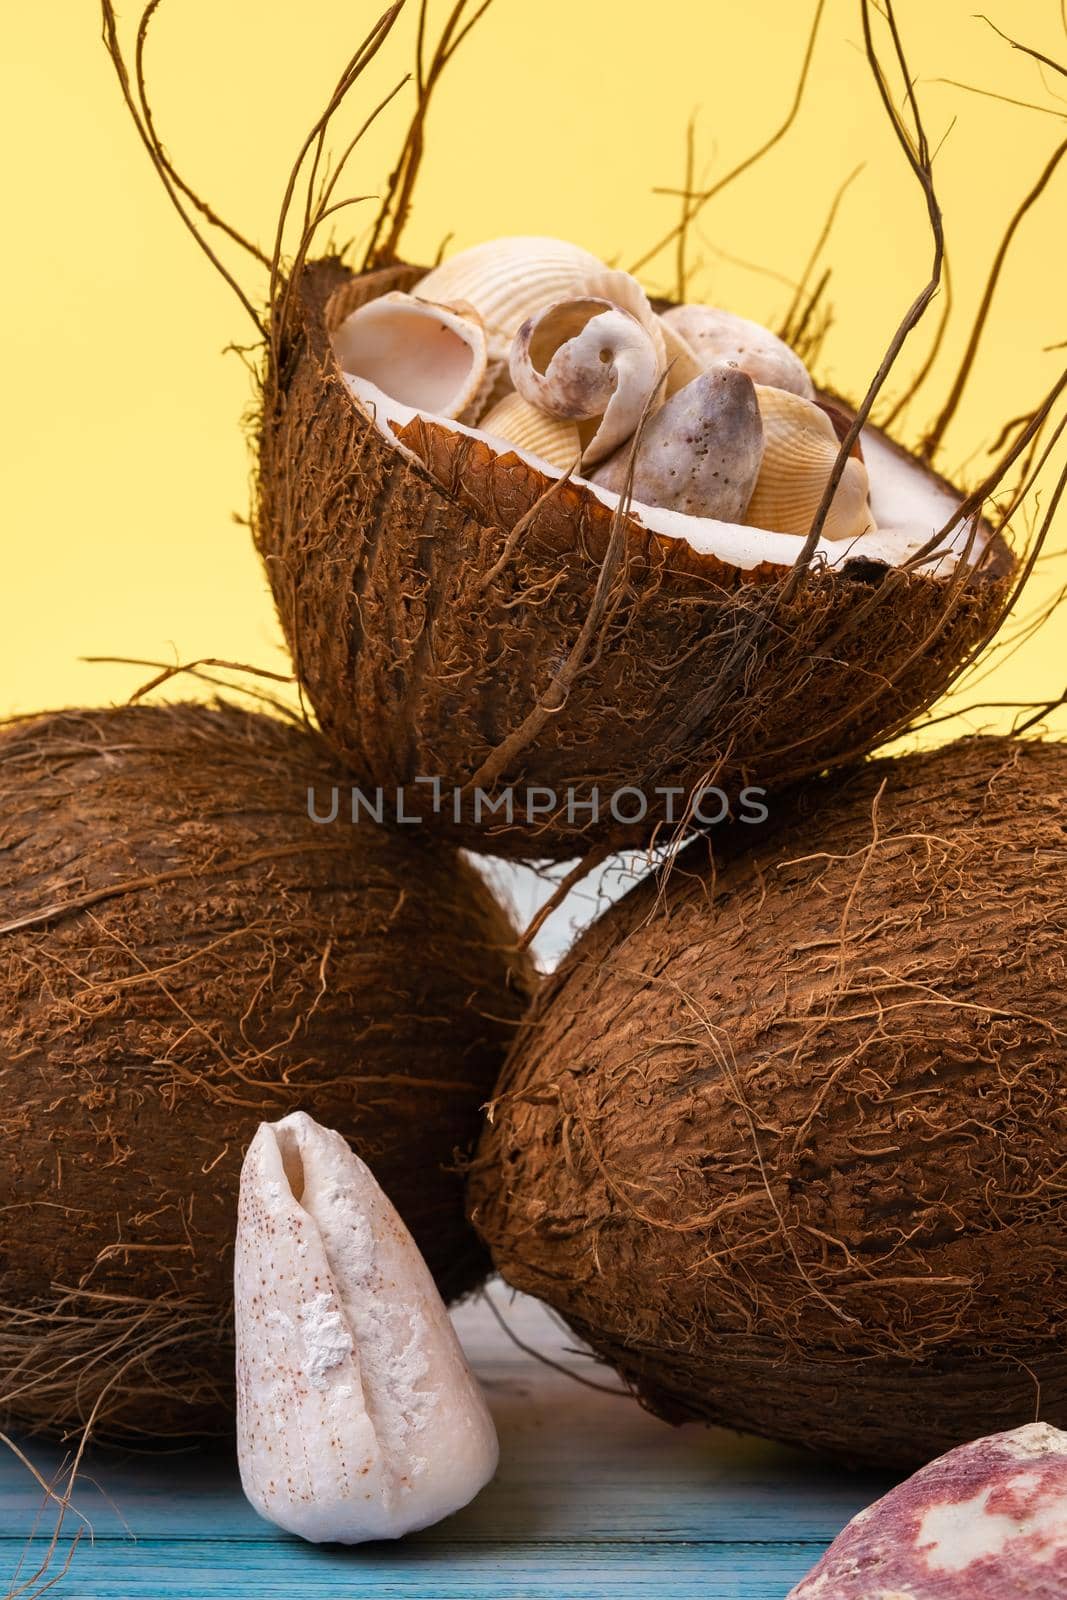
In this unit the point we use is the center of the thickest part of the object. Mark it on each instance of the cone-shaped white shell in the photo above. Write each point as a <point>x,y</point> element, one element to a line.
<point>588,361</point>
<point>716,336</point>
<point>357,1415</point>
<point>800,448</point>
<point>428,356</point>
<point>509,280</point>
<point>528,428</point>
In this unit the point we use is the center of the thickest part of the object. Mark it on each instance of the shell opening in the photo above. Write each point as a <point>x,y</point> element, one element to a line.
<point>428,356</point>
<point>292,1160</point>
<point>404,371</point>
<point>588,361</point>
<point>548,334</point>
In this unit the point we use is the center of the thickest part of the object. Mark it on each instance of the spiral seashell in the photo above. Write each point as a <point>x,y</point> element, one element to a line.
<point>700,453</point>
<point>589,362</point>
<point>432,357</point>
<point>528,428</point>
<point>717,336</point>
<point>800,446</point>
<point>509,280</point>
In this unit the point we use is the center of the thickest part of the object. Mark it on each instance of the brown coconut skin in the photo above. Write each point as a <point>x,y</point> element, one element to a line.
<point>183,953</point>
<point>786,1145</point>
<point>431,646</point>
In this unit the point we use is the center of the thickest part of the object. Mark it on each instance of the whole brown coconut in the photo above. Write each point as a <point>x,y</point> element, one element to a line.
<point>183,952</point>
<point>447,621</point>
<point>787,1145</point>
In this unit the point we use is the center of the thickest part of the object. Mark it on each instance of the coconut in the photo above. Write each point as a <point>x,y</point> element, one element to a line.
<point>536,664</point>
<point>184,953</point>
<point>457,611</point>
<point>785,1143</point>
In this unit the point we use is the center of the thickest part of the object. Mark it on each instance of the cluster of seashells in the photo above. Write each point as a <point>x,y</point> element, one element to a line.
<point>543,348</point>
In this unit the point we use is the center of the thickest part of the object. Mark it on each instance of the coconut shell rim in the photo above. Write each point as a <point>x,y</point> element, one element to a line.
<point>322,314</point>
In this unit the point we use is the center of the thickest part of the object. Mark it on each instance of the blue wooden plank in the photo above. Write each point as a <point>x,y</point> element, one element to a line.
<point>701,1487</point>
<point>593,1497</point>
<point>227,1570</point>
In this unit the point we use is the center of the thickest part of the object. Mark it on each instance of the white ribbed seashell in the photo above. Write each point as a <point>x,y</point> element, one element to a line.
<point>800,447</point>
<point>432,357</point>
<point>700,453</point>
<point>592,363</point>
<point>357,1415</point>
<point>530,429</point>
<point>715,336</point>
<point>508,280</point>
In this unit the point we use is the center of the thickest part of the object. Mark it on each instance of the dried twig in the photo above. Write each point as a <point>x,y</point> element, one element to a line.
<point>681,276</point>
<point>569,881</point>
<point>1026,49</point>
<point>280,298</point>
<point>917,150</point>
<point>194,669</point>
<point>698,202</point>
<point>176,188</point>
<point>788,331</point>
<point>384,247</point>
<point>1005,99</point>
<point>547,1361</point>
<point>206,211</point>
<point>932,441</point>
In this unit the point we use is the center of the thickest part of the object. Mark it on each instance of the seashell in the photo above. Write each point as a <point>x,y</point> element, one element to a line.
<point>716,336</point>
<point>985,1521</point>
<point>590,362</point>
<point>682,363</point>
<point>700,453</point>
<point>432,357</point>
<point>497,388</point>
<point>554,439</point>
<point>842,424</point>
<point>800,446</point>
<point>509,280</point>
<point>357,1416</point>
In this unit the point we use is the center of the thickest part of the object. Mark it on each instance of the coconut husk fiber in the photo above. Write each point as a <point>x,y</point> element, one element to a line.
<point>184,953</point>
<point>786,1145</point>
<point>462,616</point>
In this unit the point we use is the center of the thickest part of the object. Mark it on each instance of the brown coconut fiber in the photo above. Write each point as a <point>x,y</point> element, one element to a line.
<point>464,617</point>
<point>786,1145</point>
<point>184,953</point>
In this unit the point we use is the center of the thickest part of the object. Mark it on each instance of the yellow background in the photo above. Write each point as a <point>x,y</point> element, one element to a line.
<point>121,414</point>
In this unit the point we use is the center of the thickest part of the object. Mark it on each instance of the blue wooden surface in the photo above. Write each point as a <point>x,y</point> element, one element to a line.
<point>594,1500</point>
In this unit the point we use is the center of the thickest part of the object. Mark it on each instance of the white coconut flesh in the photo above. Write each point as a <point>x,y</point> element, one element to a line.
<point>909,506</point>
